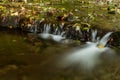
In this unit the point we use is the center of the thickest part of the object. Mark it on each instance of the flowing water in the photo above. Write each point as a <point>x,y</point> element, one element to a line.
<point>34,60</point>
<point>57,36</point>
<point>88,56</point>
<point>94,34</point>
<point>46,30</point>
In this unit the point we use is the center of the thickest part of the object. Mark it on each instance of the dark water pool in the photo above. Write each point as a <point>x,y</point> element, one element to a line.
<point>23,57</point>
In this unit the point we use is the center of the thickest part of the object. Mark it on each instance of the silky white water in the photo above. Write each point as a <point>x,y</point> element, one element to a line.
<point>46,30</point>
<point>57,36</point>
<point>87,57</point>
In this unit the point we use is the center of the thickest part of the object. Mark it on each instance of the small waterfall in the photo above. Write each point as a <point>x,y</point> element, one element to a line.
<point>62,33</point>
<point>105,39</point>
<point>61,25</point>
<point>56,36</point>
<point>56,31</point>
<point>94,34</point>
<point>46,28</point>
<point>88,56</point>
<point>35,31</point>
